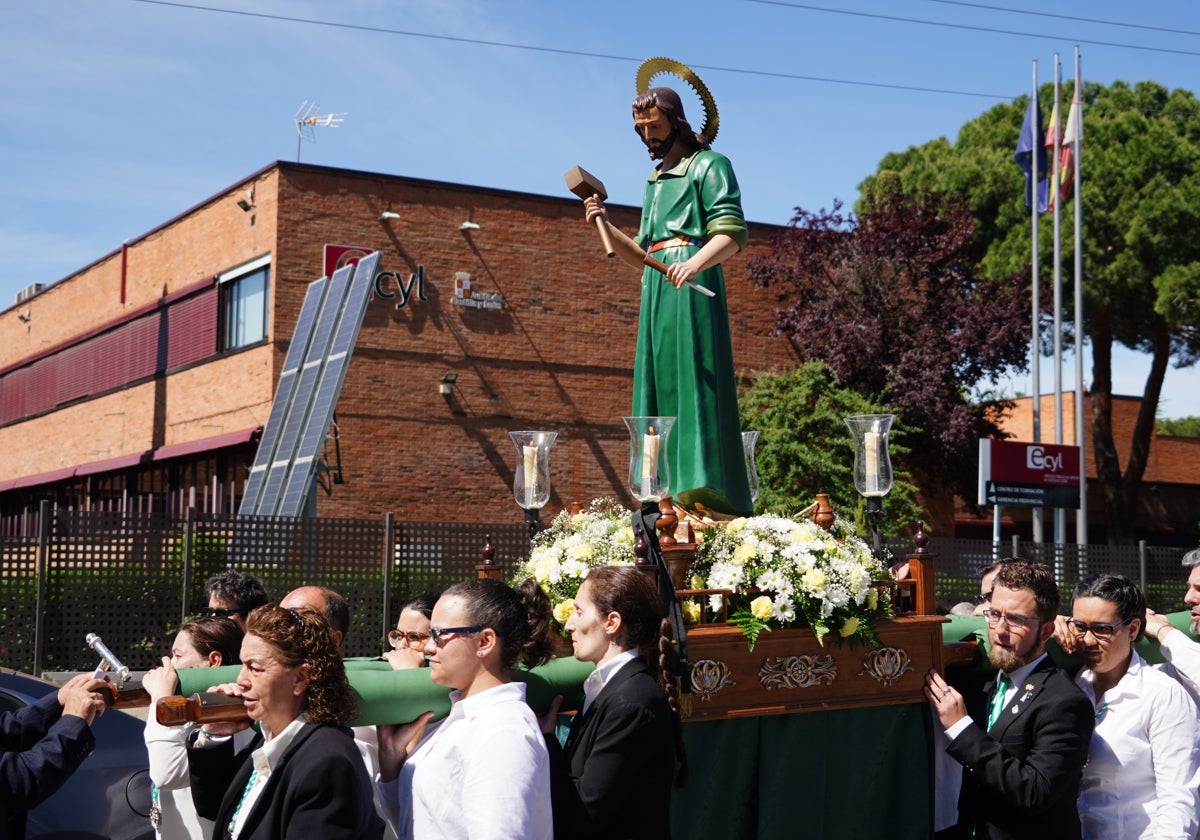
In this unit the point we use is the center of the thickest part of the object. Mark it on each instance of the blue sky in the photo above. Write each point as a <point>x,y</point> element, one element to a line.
<point>119,114</point>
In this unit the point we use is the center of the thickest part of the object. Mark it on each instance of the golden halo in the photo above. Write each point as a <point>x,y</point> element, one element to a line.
<point>651,67</point>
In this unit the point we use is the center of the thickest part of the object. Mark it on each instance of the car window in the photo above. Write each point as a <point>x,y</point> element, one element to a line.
<point>10,702</point>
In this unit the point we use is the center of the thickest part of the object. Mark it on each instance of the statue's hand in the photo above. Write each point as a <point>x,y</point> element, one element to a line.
<point>594,208</point>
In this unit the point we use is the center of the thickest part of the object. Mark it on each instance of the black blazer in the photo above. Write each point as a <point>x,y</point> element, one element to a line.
<point>319,789</point>
<point>1021,777</point>
<point>614,779</point>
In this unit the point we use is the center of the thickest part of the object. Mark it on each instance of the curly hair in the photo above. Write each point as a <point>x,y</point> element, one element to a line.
<point>629,592</point>
<point>303,636</point>
<point>521,618</point>
<point>211,633</point>
<point>1036,577</point>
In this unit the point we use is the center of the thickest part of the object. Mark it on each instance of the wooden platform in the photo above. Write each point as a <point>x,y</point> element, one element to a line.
<point>789,672</point>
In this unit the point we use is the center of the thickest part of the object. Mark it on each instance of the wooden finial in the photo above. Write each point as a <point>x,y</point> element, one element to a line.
<point>920,539</point>
<point>823,516</point>
<point>641,548</point>
<point>489,550</point>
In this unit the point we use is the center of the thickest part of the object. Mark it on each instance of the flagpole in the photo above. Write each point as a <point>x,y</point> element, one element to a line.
<point>1036,383</point>
<point>1056,131</point>
<point>1081,524</point>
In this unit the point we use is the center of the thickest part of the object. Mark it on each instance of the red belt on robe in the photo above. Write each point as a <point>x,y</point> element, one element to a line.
<point>673,242</point>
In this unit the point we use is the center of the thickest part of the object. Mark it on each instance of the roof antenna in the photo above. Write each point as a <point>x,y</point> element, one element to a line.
<point>307,118</point>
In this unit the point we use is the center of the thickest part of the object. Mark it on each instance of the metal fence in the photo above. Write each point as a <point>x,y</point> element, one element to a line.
<point>1156,569</point>
<point>134,577</point>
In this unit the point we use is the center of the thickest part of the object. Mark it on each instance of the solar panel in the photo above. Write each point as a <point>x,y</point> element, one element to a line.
<point>332,376</point>
<point>306,382</point>
<point>285,393</point>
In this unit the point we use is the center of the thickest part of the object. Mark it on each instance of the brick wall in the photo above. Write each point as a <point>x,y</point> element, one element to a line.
<point>558,356</point>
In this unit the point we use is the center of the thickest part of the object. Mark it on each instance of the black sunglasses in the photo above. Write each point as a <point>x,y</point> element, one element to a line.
<point>982,598</point>
<point>220,612</point>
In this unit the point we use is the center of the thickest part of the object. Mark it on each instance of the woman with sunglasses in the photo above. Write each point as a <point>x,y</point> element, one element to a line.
<point>1143,770</point>
<point>407,642</point>
<point>614,779</point>
<point>306,778</point>
<point>485,772</point>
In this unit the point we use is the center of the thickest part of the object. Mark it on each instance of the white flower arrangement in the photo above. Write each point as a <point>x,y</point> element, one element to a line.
<point>792,573</point>
<point>562,555</point>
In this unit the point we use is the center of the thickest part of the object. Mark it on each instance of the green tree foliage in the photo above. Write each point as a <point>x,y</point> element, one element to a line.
<point>891,302</point>
<point>1181,427</point>
<point>806,448</point>
<point>1141,254</point>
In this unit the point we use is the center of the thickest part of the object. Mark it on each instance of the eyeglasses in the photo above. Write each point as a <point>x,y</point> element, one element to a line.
<point>440,634</point>
<point>220,612</point>
<point>1013,620</point>
<point>982,598</point>
<point>402,638</point>
<point>1102,632</point>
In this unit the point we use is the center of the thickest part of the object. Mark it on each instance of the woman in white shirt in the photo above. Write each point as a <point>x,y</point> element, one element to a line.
<point>485,772</point>
<point>1143,771</point>
<point>204,642</point>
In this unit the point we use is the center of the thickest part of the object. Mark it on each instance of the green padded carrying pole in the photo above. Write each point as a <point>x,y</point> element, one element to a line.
<point>387,696</point>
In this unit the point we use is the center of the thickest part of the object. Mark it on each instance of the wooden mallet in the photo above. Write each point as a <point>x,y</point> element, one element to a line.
<point>584,184</point>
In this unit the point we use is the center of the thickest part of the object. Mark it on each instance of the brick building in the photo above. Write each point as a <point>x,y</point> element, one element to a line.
<point>143,380</point>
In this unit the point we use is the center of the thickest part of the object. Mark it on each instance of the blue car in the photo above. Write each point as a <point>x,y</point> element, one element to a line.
<point>109,795</point>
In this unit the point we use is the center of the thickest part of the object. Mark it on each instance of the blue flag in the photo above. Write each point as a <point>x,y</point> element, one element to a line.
<point>1027,145</point>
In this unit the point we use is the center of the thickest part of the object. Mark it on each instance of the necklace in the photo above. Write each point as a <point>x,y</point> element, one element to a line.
<point>229,832</point>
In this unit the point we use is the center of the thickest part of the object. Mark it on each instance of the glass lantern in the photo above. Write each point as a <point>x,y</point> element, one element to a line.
<point>531,480</point>
<point>649,471</point>
<point>749,441</point>
<point>872,465</point>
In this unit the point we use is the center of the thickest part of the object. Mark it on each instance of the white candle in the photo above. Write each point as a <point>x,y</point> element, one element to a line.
<point>531,476</point>
<point>871,458</point>
<point>650,443</point>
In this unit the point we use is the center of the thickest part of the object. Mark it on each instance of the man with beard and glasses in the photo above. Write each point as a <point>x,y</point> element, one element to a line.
<point>1022,760</point>
<point>683,367</point>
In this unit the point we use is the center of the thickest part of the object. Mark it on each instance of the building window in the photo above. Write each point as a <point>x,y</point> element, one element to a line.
<point>244,303</point>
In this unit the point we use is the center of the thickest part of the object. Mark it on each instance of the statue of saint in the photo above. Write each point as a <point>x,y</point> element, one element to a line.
<point>692,221</point>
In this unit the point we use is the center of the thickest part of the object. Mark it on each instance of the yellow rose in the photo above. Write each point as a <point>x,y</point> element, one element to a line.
<point>872,599</point>
<point>850,627</point>
<point>744,552</point>
<point>697,582</point>
<point>583,551</point>
<point>563,610</point>
<point>691,612</point>
<point>762,608</point>
<point>813,580</point>
<point>736,525</point>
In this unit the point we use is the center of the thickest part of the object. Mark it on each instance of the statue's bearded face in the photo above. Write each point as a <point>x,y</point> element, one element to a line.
<point>656,131</point>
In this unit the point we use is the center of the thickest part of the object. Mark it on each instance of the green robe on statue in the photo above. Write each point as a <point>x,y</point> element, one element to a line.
<point>684,363</point>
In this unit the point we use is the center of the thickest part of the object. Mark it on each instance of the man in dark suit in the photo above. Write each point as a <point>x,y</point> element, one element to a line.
<point>1023,754</point>
<point>41,745</point>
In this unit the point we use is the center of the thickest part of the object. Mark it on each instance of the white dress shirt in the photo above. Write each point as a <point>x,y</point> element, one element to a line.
<point>1143,771</point>
<point>1183,660</point>
<point>600,677</point>
<point>263,758</point>
<point>167,751</point>
<point>485,773</point>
